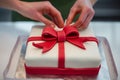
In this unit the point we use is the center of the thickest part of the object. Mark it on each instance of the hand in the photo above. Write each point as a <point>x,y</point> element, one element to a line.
<point>37,10</point>
<point>85,9</point>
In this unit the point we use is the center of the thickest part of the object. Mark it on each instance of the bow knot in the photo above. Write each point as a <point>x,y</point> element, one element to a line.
<point>61,36</point>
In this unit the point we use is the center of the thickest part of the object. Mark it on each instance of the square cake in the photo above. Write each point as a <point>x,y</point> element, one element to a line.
<point>73,52</point>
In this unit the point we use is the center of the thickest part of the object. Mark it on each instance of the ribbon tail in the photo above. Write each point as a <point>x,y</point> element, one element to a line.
<point>85,39</point>
<point>34,38</point>
<point>76,42</point>
<point>38,45</point>
<point>46,46</point>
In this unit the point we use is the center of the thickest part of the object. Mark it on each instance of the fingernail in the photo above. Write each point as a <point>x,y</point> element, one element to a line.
<point>81,28</point>
<point>67,23</point>
<point>62,25</point>
<point>52,25</point>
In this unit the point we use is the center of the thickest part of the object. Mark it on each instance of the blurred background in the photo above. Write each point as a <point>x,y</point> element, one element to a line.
<point>106,10</point>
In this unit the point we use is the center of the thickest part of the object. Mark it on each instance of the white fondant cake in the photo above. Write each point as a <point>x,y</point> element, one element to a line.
<point>74,56</point>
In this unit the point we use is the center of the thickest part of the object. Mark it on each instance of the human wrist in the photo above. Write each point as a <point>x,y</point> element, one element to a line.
<point>9,4</point>
<point>18,5</point>
<point>93,2</point>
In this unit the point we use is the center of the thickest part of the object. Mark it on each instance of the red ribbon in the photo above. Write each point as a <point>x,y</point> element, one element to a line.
<point>51,37</point>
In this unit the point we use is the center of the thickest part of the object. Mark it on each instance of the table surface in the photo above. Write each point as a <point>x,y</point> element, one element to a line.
<point>9,31</point>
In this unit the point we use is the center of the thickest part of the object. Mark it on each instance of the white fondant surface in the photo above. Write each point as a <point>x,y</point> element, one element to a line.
<point>74,56</point>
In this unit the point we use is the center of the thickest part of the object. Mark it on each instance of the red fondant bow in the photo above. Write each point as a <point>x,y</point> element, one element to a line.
<point>51,37</point>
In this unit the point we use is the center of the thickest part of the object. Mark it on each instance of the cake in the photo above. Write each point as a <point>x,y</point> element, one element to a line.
<point>62,55</point>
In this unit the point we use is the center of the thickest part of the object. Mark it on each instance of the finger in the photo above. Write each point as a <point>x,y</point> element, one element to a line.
<point>87,21</point>
<point>45,20</point>
<point>59,21</point>
<point>57,17</point>
<point>71,16</point>
<point>81,18</point>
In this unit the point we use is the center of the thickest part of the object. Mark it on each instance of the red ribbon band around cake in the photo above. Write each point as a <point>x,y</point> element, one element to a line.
<point>51,37</point>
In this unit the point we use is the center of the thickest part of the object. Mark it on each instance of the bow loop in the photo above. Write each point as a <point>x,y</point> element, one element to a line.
<point>49,34</point>
<point>71,32</point>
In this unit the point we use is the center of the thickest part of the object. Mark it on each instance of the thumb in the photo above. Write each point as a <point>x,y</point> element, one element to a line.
<point>71,17</point>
